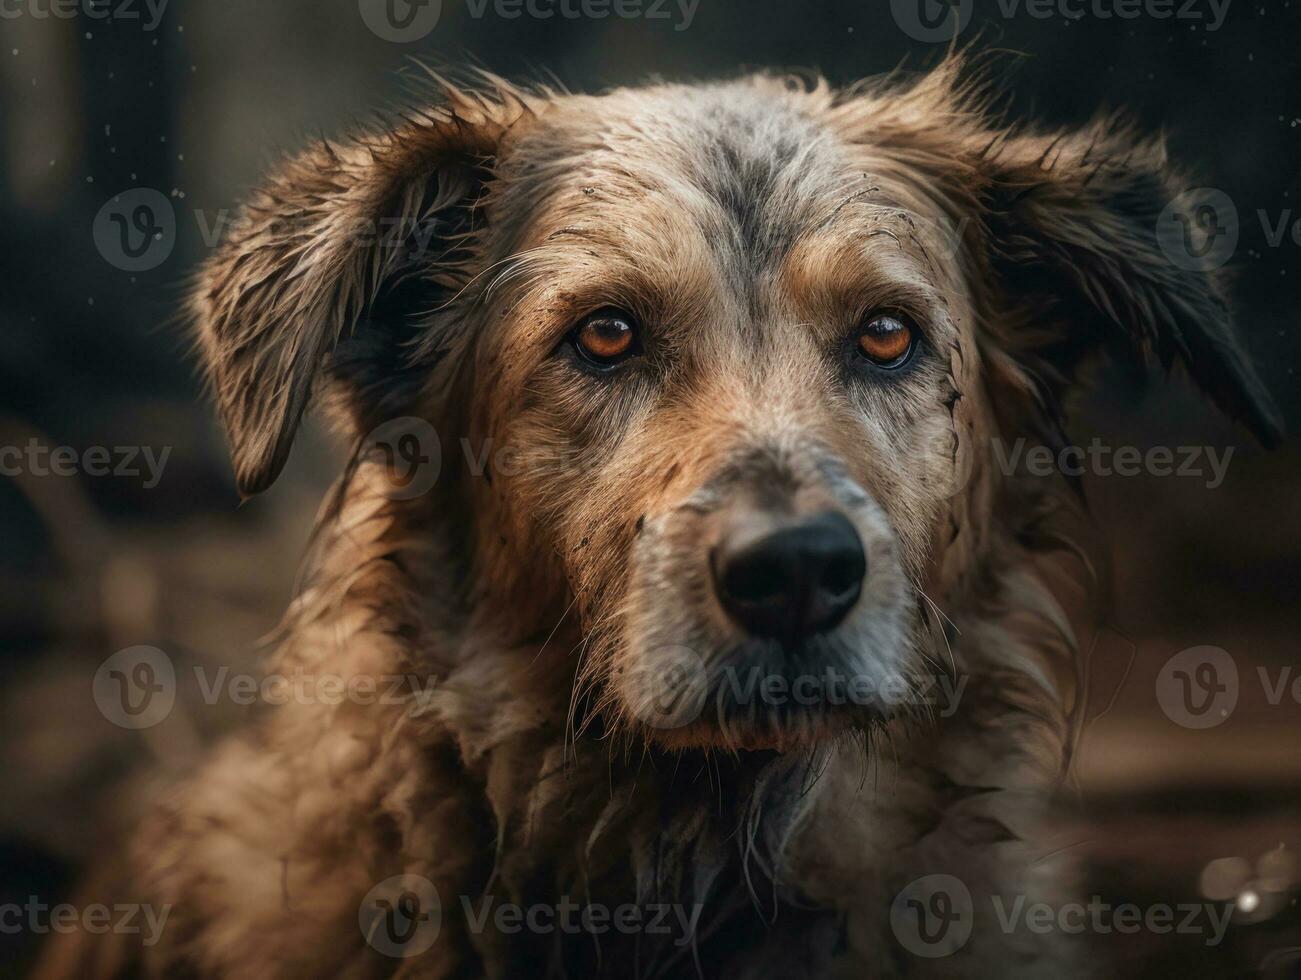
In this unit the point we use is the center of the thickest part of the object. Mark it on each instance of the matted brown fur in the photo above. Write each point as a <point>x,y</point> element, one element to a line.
<point>749,225</point>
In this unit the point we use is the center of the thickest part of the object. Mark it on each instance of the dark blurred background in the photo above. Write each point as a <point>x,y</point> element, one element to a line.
<point>192,102</point>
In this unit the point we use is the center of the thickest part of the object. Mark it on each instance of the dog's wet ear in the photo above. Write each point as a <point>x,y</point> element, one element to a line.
<point>1081,262</point>
<point>326,268</point>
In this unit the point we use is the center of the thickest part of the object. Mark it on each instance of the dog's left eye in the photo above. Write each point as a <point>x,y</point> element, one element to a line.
<point>887,341</point>
<point>605,338</point>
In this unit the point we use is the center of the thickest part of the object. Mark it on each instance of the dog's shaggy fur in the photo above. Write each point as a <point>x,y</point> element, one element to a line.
<point>749,226</point>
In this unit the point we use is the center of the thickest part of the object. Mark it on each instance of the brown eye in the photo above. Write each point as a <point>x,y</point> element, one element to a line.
<point>887,341</point>
<point>606,337</point>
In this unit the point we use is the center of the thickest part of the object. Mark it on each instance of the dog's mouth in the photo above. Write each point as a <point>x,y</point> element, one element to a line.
<point>760,696</point>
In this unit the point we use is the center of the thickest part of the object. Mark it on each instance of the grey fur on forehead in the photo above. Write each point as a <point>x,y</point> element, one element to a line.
<point>749,158</point>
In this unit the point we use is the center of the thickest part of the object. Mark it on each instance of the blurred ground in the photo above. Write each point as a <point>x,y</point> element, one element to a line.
<point>90,355</point>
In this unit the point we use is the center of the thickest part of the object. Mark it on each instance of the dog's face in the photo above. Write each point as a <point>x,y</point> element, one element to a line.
<point>719,351</point>
<point>731,356</point>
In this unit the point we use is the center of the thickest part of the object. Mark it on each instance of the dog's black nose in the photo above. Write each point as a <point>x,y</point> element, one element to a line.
<point>792,579</point>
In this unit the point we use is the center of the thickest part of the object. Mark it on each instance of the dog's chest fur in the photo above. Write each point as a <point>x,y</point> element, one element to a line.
<point>762,865</point>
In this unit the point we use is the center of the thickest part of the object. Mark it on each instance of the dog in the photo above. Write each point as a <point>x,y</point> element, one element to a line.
<point>673,486</point>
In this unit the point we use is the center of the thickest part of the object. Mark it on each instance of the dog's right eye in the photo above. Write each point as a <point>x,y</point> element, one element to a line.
<point>606,338</point>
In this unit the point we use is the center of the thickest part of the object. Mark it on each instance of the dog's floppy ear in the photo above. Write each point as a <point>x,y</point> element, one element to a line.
<point>1081,263</point>
<point>332,235</point>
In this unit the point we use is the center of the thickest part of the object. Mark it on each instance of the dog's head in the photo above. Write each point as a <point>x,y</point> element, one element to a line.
<point>717,367</point>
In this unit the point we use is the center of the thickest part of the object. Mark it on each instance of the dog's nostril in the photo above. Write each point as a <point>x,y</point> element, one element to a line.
<point>800,577</point>
<point>843,573</point>
<point>752,577</point>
